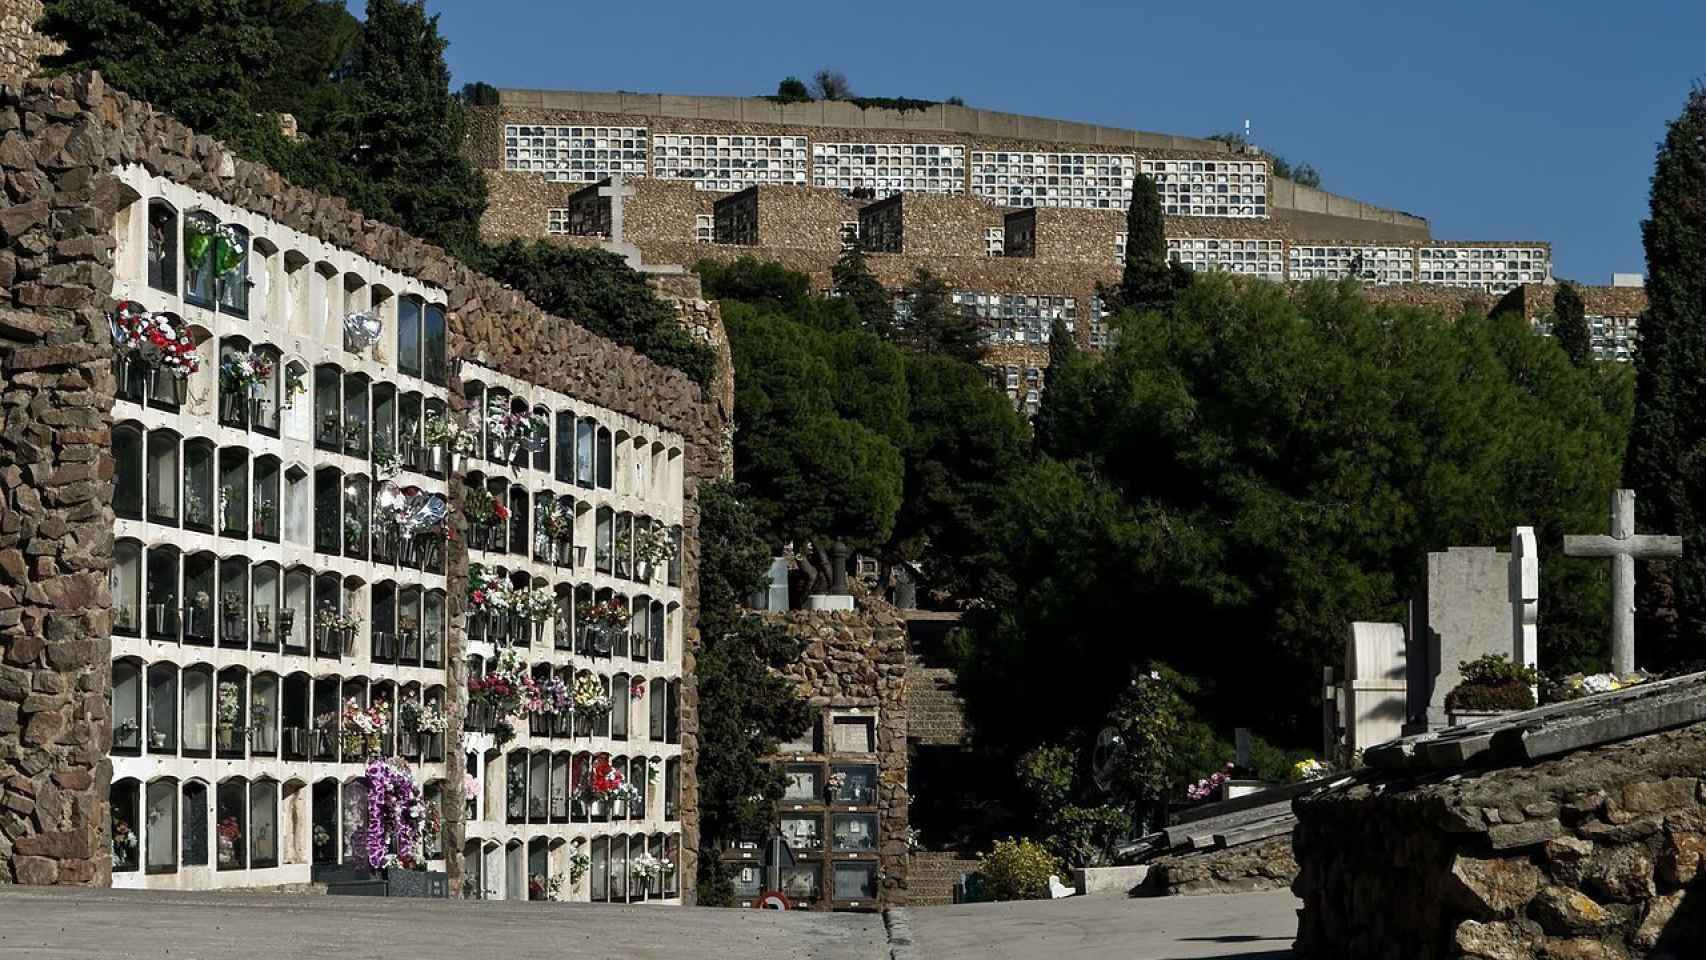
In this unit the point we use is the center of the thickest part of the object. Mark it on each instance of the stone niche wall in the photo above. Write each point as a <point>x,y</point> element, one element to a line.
<point>1594,854</point>
<point>60,140</point>
<point>858,659</point>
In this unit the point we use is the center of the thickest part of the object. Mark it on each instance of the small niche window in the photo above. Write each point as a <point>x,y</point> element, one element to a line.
<point>163,246</point>
<point>409,336</point>
<point>163,601</point>
<point>231,269</point>
<point>853,734</point>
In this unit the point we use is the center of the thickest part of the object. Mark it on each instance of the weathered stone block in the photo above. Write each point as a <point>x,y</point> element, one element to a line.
<point>1507,836</point>
<point>1492,889</point>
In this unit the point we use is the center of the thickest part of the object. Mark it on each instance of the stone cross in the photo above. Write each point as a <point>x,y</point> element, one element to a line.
<point>617,192</point>
<point>1624,547</point>
<point>1525,597</point>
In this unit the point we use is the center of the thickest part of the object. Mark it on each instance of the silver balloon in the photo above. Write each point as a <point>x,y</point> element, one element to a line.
<point>362,329</point>
<point>422,513</point>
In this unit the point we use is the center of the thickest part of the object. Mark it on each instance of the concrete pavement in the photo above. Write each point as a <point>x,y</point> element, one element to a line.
<point>49,924</point>
<point>62,924</point>
<point>1255,926</point>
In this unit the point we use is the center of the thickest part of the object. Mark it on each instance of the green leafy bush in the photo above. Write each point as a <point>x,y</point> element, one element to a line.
<point>1493,682</point>
<point>1088,836</point>
<point>1017,870</point>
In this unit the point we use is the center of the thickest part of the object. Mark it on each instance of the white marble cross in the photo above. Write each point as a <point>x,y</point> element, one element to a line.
<point>1525,597</point>
<point>1624,547</point>
<point>617,192</point>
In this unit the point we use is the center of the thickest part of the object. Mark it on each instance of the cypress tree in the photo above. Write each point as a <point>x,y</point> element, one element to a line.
<point>1147,282</point>
<point>935,325</point>
<point>1668,440</point>
<point>1570,324</point>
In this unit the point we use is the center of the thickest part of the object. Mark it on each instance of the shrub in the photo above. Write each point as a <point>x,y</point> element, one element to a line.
<point>1017,870</point>
<point>1046,775</point>
<point>1088,836</point>
<point>1493,682</point>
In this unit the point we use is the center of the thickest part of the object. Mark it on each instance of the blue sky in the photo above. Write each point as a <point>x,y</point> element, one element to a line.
<point>1507,120</point>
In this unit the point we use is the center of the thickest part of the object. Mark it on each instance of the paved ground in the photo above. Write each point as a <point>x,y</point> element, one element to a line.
<point>1256,926</point>
<point>47,924</point>
<point>139,925</point>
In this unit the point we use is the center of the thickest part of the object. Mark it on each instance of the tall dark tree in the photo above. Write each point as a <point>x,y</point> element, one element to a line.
<point>830,84</point>
<point>204,60</point>
<point>934,325</point>
<point>1059,418</point>
<point>855,283</point>
<point>1570,324</point>
<point>317,41</point>
<point>402,128</point>
<point>1668,443</point>
<point>1147,281</point>
<point>745,706</point>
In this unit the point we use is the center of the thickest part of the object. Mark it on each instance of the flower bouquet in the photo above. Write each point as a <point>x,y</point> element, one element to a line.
<point>242,385</point>
<point>600,622</point>
<point>589,696</point>
<point>653,549</point>
<point>446,434</point>
<point>365,727</point>
<point>202,232</point>
<point>124,845</point>
<point>229,833</point>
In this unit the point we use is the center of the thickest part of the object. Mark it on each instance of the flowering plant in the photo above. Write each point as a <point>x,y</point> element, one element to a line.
<point>487,589</point>
<point>412,717</point>
<point>1210,785</point>
<point>159,339</point>
<point>557,523</point>
<point>230,706</point>
<point>589,695</point>
<point>1309,769</point>
<point>608,613</point>
<point>330,619</point>
<point>448,431</point>
<point>637,689</point>
<point>365,726</point>
<point>386,463</point>
<point>535,604</point>
<point>245,372</point>
<point>396,817</point>
<point>579,863</point>
<point>506,426</point>
<point>645,866</point>
<point>656,547</point>
<point>549,696</point>
<point>201,232</point>
<point>229,834</point>
<point>603,781</point>
<point>481,507</point>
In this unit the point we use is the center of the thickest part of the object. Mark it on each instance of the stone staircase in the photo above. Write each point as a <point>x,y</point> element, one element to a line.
<point>931,876</point>
<point>935,715</point>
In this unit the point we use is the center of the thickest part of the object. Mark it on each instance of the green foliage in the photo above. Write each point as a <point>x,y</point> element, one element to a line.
<point>831,85</point>
<point>1570,325</point>
<point>842,435</point>
<point>1046,775</point>
<point>1669,440</point>
<point>1260,470</point>
<point>792,90</point>
<point>205,60</point>
<point>382,130</point>
<point>746,708</point>
<point>934,324</point>
<point>1493,682</point>
<point>765,284</point>
<point>402,129</point>
<point>1148,280</point>
<point>855,283</point>
<point>819,422</point>
<point>598,291</point>
<point>1302,174</point>
<point>478,94</point>
<point>1017,870</point>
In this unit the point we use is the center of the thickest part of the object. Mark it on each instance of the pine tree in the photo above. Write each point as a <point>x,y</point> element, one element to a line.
<point>1148,282</point>
<point>1570,324</point>
<point>934,325</point>
<point>854,282</point>
<point>1668,440</point>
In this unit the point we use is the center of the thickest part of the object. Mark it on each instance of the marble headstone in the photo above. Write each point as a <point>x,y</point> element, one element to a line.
<point>1461,612</point>
<point>1374,691</point>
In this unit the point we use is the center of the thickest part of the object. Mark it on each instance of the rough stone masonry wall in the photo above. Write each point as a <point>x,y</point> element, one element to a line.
<point>20,45</point>
<point>1266,865</point>
<point>59,142</point>
<point>1596,854</point>
<point>858,659</point>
